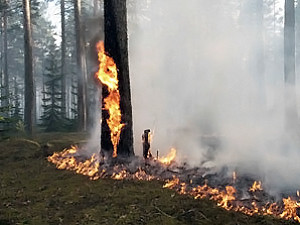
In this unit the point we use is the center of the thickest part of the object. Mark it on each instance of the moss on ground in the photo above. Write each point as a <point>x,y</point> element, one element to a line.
<point>33,191</point>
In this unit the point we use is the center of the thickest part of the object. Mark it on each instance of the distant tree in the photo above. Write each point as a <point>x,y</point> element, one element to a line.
<point>297,27</point>
<point>28,61</point>
<point>52,119</point>
<point>116,45</point>
<point>63,56</point>
<point>289,63</point>
<point>17,111</point>
<point>5,119</point>
<point>81,67</point>
<point>5,56</point>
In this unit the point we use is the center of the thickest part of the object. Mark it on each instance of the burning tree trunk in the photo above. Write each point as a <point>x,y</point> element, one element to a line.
<point>116,46</point>
<point>289,64</point>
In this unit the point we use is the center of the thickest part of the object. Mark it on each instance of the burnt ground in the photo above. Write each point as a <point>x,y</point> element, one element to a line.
<point>33,191</point>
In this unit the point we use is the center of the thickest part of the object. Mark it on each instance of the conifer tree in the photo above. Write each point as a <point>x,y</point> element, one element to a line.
<point>52,114</point>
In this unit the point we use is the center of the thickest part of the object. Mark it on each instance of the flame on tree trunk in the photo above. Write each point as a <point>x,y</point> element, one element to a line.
<point>108,76</point>
<point>116,46</point>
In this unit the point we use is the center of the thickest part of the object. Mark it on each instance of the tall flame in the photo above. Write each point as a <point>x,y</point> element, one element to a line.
<point>169,158</point>
<point>108,76</point>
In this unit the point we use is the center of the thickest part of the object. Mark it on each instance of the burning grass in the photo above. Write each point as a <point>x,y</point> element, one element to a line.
<point>225,195</point>
<point>33,192</point>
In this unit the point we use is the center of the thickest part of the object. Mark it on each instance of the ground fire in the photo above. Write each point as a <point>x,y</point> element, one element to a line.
<point>228,193</point>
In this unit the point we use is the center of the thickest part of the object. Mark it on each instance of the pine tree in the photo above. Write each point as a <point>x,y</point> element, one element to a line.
<point>52,114</point>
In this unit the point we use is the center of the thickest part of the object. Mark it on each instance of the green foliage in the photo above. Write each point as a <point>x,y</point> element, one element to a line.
<point>20,126</point>
<point>52,119</point>
<point>5,107</point>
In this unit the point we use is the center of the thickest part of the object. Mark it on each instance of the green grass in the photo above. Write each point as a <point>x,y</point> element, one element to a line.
<point>33,191</point>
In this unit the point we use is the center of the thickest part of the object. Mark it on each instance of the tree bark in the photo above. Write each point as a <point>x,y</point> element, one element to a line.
<point>5,60</point>
<point>63,59</point>
<point>116,45</point>
<point>29,83</point>
<point>289,63</point>
<point>81,68</point>
<point>1,57</point>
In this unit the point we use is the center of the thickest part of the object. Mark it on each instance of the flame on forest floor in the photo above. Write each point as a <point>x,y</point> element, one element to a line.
<point>66,160</point>
<point>71,159</point>
<point>256,186</point>
<point>227,200</point>
<point>168,158</point>
<point>108,76</point>
<point>224,197</point>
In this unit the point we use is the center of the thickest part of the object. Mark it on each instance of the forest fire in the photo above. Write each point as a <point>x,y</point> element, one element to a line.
<point>168,158</point>
<point>256,186</point>
<point>180,178</point>
<point>228,199</point>
<point>108,76</point>
<point>66,160</point>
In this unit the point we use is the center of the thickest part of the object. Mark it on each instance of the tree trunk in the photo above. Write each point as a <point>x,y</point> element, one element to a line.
<point>95,7</point>
<point>63,59</point>
<point>81,68</point>
<point>1,58</point>
<point>260,50</point>
<point>115,15</point>
<point>5,60</point>
<point>289,64</point>
<point>29,91</point>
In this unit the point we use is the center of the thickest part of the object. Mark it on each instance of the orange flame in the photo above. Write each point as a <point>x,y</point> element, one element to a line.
<point>169,158</point>
<point>290,209</point>
<point>227,200</point>
<point>256,186</point>
<point>66,160</point>
<point>108,76</point>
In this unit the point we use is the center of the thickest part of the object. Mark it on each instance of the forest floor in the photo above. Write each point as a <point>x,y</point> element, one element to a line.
<point>33,191</point>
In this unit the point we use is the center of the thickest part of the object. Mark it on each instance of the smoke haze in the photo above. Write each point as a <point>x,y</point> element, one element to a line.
<point>197,82</point>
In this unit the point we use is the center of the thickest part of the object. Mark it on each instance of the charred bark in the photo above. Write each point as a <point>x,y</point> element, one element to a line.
<point>289,64</point>
<point>29,82</point>
<point>116,45</point>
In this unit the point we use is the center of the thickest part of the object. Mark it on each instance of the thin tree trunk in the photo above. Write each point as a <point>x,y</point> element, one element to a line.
<point>95,7</point>
<point>260,52</point>
<point>289,63</point>
<point>116,45</point>
<point>1,58</point>
<point>29,85</point>
<point>81,68</point>
<point>5,60</point>
<point>63,59</point>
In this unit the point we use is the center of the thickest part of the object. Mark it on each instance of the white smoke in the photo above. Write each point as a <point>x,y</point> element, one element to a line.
<point>194,82</point>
